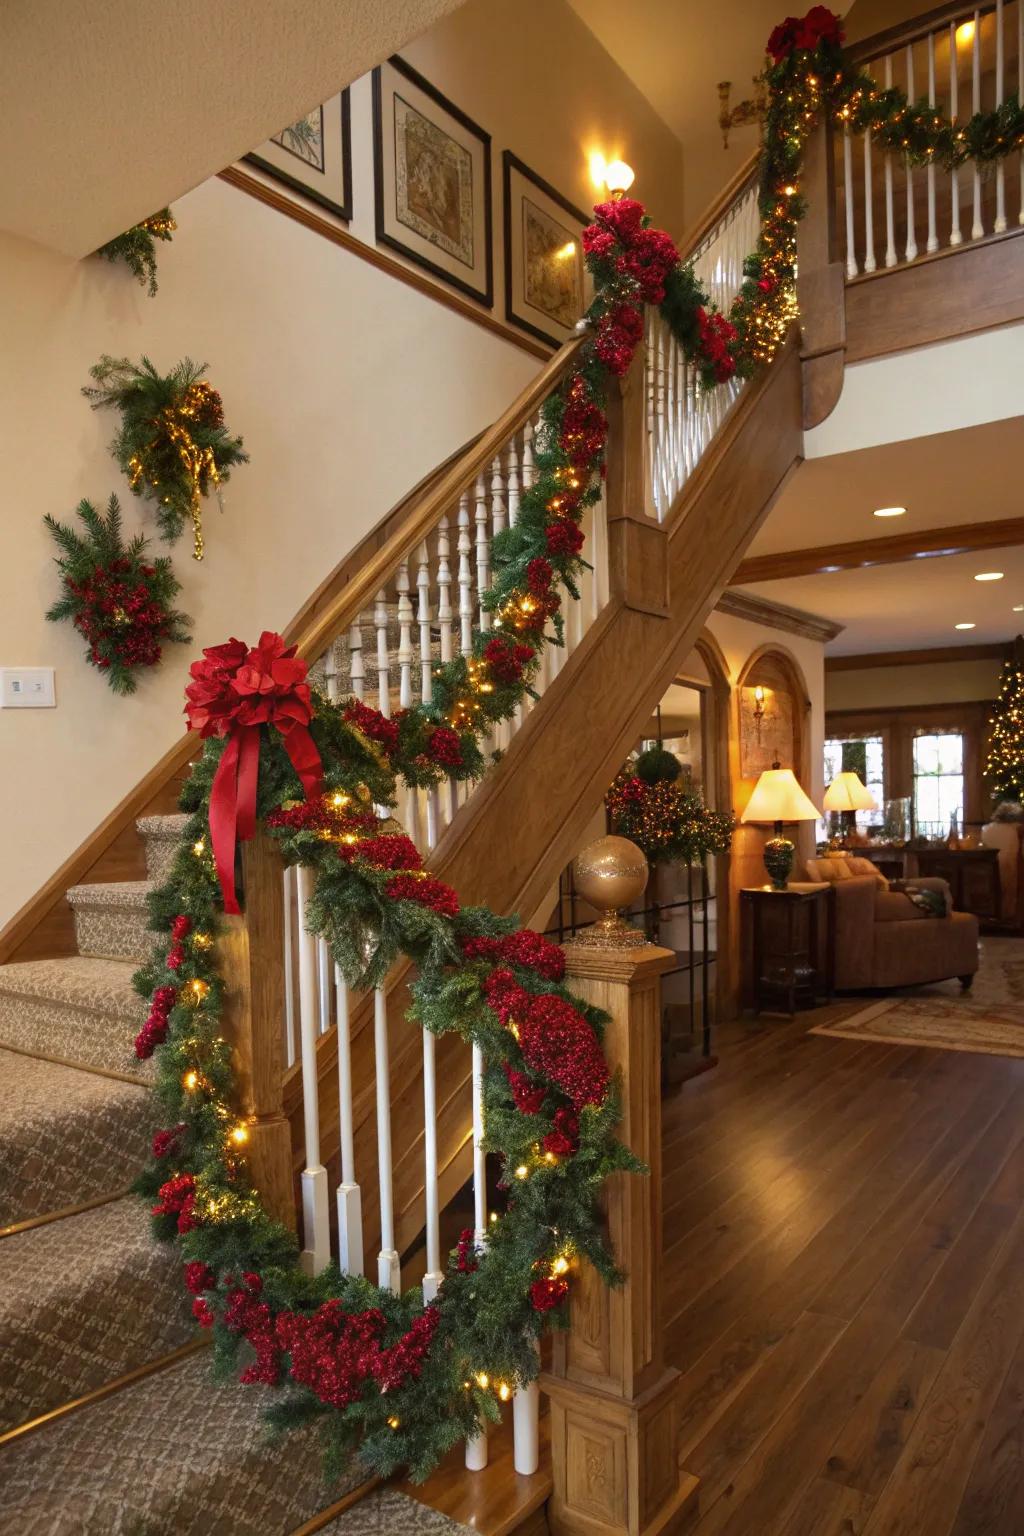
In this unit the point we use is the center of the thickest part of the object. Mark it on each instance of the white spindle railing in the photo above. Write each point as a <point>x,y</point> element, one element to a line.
<point>423,615</point>
<point>681,418</point>
<point>972,63</point>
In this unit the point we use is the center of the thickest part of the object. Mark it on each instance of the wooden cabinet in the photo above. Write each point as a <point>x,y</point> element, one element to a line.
<point>973,876</point>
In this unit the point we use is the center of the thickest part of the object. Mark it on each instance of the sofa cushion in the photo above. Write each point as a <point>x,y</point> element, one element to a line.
<point>829,868</point>
<point>868,867</point>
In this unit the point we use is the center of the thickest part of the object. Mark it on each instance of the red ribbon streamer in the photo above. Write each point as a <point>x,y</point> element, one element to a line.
<point>233,795</point>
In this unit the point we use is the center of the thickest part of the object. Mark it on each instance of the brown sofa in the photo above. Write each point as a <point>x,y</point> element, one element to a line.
<point>883,940</point>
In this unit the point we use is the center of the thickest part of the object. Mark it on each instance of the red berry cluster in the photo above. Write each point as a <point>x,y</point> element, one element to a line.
<point>166,1142</point>
<point>120,619</point>
<point>154,1031</point>
<point>808,32</point>
<point>564,537</point>
<point>199,1277</point>
<point>426,890</point>
<point>717,336</point>
<point>375,726</point>
<point>527,1096</point>
<point>507,658</point>
<point>548,1293</point>
<point>466,1261</point>
<point>524,947</point>
<point>556,1040</point>
<point>564,1140</point>
<point>391,850</point>
<point>584,426</point>
<point>177,1198</point>
<point>619,333</point>
<point>445,747</point>
<point>321,816</point>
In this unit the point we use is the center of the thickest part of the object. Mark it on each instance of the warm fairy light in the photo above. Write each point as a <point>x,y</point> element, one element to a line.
<point>513,1029</point>
<point>483,1380</point>
<point>522,1171</point>
<point>549,1157</point>
<point>504,1391</point>
<point>560,1265</point>
<point>240,1134</point>
<point>190,1082</point>
<point>202,940</point>
<point>199,847</point>
<point>494,1216</point>
<point>789,190</point>
<point>198,989</point>
<point>339,800</point>
<point>393,1422</point>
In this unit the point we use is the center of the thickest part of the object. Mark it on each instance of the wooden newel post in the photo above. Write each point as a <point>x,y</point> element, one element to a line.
<point>614,1403</point>
<point>251,954</point>
<point>637,553</point>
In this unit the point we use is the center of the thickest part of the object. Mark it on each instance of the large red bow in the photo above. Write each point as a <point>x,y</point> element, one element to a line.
<point>235,690</point>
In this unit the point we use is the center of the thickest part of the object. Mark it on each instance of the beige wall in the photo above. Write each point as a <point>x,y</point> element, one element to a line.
<point>346,385</point>
<point>943,682</point>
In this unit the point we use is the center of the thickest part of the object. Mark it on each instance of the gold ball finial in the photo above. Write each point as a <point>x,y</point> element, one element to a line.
<point>610,874</point>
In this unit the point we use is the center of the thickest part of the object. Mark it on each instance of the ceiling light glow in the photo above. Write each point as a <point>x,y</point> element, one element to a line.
<point>963,626</point>
<point>989,576</point>
<point>890,511</point>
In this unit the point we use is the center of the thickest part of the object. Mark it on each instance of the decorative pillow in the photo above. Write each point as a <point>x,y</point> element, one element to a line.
<point>867,867</point>
<point>829,868</point>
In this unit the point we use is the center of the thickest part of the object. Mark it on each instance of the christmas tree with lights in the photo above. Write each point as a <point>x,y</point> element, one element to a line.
<point>1004,765</point>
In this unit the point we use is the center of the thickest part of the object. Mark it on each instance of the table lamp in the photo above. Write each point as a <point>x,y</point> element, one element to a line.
<point>848,795</point>
<point>778,798</point>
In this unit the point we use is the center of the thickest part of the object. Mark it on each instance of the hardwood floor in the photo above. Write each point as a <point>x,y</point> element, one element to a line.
<point>844,1286</point>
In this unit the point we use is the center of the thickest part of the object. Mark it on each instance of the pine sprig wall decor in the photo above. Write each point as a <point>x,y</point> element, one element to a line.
<point>172,442</point>
<point>117,599</point>
<point>137,246</point>
<point>400,1380</point>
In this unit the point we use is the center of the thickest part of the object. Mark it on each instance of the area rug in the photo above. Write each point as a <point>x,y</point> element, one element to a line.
<point>989,1019</point>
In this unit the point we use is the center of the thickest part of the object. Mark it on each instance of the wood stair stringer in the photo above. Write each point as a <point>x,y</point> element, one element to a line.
<point>524,822</point>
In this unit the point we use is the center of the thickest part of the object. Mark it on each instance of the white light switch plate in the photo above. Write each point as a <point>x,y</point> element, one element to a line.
<point>27,688</point>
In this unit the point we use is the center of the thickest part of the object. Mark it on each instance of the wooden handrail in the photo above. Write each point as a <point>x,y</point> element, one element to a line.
<point>314,637</point>
<point>880,43</point>
<point>719,206</point>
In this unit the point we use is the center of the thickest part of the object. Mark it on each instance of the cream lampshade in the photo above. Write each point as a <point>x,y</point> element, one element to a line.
<point>848,793</point>
<point>778,798</point>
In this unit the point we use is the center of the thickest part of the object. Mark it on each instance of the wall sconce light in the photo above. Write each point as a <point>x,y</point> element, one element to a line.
<point>614,176</point>
<point>758,709</point>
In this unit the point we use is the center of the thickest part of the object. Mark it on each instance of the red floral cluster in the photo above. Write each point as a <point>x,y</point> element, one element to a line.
<point>524,947</point>
<point>556,1040</point>
<point>717,336</point>
<point>154,1031</point>
<point>166,1142</point>
<point>178,1198</point>
<point>641,253</point>
<point>507,658</point>
<point>426,890</point>
<point>564,537</point>
<point>320,815</point>
<point>238,685</point>
<point>539,575</point>
<point>374,726</point>
<point>198,1278</point>
<point>527,1096</point>
<point>466,1261</point>
<point>584,426</point>
<point>564,1140</point>
<point>444,747</point>
<point>619,333</point>
<point>180,930</point>
<point>120,618</point>
<point>391,850</point>
<point>548,1293</point>
<point>808,32</point>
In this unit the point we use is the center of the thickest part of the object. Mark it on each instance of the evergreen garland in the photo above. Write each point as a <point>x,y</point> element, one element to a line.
<point>119,601</point>
<point>647,804</point>
<point>137,246</point>
<point>172,442</point>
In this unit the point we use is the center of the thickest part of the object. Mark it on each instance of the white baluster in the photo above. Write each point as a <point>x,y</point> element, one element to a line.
<point>434,1275</point>
<point>380,620</point>
<point>355,660</point>
<point>323,985</point>
<point>870,263</point>
<point>932,243</point>
<point>483,552</point>
<point>479,1156</point>
<point>1000,223</point>
<point>388,1274</point>
<point>405,651</point>
<point>315,1221</point>
<point>349,1195</point>
<point>423,620</point>
<point>476,1451</point>
<point>513,483</point>
<point>978,225</point>
<point>890,223</point>
<point>526,1429</point>
<point>529,461</point>
<point>851,253</point>
<point>444,590</point>
<point>955,234</point>
<point>288,891</point>
<point>911,247</point>
<point>465,579</point>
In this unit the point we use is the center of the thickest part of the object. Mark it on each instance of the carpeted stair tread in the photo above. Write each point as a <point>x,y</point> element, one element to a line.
<point>67,1136</point>
<point>162,835</point>
<point>84,1300</point>
<point>79,1009</point>
<point>174,1455</point>
<point>386,1512</point>
<point>112,919</point>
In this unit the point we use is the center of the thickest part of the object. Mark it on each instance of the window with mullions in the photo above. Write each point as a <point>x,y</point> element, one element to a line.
<point>938,781</point>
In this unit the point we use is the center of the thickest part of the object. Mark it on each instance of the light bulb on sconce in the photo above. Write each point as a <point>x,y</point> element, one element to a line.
<point>615,177</point>
<point>758,710</point>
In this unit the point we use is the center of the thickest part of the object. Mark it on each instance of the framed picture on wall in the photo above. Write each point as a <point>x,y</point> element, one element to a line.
<point>432,180</point>
<point>545,278</point>
<point>314,155</point>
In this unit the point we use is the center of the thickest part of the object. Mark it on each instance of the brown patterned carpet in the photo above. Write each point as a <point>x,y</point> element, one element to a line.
<point>66,1136</point>
<point>988,1019</point>
<point>78,1009</point>
<point>83,1301</point>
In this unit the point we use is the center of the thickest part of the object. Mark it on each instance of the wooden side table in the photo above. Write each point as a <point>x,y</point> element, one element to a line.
<point>785,931</point>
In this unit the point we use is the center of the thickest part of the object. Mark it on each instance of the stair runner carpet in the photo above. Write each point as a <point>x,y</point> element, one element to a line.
<point>89,1297</point>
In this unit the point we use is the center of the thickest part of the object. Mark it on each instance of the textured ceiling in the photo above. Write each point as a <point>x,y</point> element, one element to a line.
<point>112,108</point>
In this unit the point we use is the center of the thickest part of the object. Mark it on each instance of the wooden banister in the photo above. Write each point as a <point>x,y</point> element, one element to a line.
<point>903,32</point>
<point>719,206</point>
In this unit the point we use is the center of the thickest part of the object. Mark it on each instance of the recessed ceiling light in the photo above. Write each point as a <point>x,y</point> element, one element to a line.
<point>989,576</point>
<point>963,626</point>
<point>890,511</point>
<point>1018,607</point>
